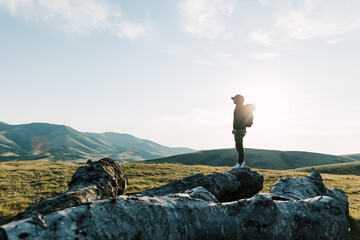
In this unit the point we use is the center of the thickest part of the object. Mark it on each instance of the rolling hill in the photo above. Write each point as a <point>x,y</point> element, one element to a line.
<point>62,143</point>
<point>256,158</point>
<point>355,156</point>
<point>351,168</point>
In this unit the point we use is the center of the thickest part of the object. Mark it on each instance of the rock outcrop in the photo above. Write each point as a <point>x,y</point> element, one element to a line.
<point>196,207</point>
<point>293,189</point>
<point>98,180</point>
<point>226,187</point>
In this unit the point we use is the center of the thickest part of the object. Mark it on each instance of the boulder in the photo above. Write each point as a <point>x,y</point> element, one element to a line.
<point>226,187</point>
<point>306,187</point>
<point>98,180</point>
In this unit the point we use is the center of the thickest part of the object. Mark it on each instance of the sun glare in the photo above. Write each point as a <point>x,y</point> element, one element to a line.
<point>270,103</point>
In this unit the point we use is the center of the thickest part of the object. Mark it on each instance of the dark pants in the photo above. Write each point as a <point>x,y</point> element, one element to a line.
<point>239,135</point>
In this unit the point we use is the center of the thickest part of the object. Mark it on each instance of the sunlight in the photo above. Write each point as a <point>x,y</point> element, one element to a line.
<point>270,102</point>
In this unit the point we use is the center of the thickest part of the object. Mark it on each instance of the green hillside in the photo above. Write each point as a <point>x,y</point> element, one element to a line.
<point>22,183</point>
<point>61,143</point>
<point>353,156</point>
<point>256,158</point>
<point>130,142</point>
<point>352,168</point>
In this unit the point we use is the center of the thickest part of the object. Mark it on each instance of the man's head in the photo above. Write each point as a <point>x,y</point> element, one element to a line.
<point>238,99</point>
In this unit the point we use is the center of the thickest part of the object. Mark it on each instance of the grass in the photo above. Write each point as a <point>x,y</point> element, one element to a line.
<point>145,176</point>
<point>22,183</point>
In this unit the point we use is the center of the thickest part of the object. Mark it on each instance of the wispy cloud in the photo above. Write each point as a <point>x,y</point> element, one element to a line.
<point>174,48</point>
<point>264,2</point>
<point>316,18</point>
<point>261,36</point>
<point>227,59</point>
<point>308,19</point>
<point>196,117</point>
<point>332,41</point>
<point>219,58</point>
<point>130,30</point>
<point>203,60</point>
<point>266,55</point>
<point>205,18</point>
<point>76,16</point>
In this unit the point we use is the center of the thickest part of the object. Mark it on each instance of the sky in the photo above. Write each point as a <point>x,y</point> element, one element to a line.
<point>166,70</point>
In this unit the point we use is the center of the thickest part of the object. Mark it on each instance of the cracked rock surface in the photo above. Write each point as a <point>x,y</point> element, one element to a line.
<point>201,207</point>
<point>98,180</point>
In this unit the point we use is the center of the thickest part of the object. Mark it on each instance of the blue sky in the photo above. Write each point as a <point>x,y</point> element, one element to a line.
<point>165,70</point>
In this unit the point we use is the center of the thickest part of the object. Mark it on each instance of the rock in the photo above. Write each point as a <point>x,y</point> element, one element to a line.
<point>295,208</point>
<point>190,215</point>
<point>229,186</point>
<point>98,180</point>
<point>306,187</point>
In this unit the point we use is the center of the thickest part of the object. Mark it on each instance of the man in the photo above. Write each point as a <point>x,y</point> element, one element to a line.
<point>243,118</point>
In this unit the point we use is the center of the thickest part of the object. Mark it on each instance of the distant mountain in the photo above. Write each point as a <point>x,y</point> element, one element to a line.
<point>256,158</point>
<point>62,143</point>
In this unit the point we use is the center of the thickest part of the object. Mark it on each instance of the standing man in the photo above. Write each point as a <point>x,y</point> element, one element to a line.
<point>243,118</point>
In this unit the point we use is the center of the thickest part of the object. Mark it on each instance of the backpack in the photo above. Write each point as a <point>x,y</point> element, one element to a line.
<point>248,117</point>
<point>249,120</point>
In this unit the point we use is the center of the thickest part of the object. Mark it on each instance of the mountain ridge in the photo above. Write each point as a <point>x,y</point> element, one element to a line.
<point>62,143</point>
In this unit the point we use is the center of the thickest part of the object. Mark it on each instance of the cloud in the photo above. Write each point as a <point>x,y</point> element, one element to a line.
<point>174,49</point>
<point>203,60</point>
<point>205,18</point>
<point>219,58</point>
<point>261,36</point>
<point>227,59</point>
<point>319,18</point>
<point>76,16</point>
<point>303,20</point>
<point>130,30</point>
<point>266,55</point>
<point>195,118</point>
<point>332,41</point>
<point>264,2</point>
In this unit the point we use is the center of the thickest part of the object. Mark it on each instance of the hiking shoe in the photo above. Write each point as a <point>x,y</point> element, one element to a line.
<point>236,166</point>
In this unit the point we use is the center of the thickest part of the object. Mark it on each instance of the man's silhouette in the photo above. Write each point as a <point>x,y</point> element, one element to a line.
<point>243,118</point>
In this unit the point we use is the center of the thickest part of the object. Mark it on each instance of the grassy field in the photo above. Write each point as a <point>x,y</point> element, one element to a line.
<point>22,183</point>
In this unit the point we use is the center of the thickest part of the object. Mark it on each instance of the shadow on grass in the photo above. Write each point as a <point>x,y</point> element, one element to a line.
<point>354,233</point>
<point>4,219</point>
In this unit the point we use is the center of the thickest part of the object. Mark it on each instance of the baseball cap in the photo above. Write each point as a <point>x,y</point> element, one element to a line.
<point>237,96</point>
